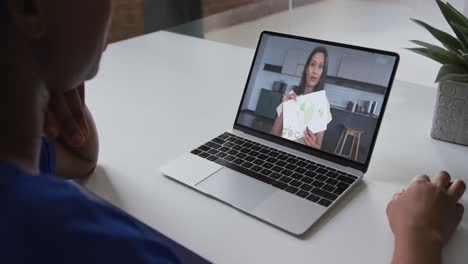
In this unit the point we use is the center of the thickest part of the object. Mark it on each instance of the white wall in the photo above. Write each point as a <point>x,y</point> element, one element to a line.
<point>273,50</point>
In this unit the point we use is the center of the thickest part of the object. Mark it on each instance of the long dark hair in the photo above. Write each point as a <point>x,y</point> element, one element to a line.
<point>320,85</point>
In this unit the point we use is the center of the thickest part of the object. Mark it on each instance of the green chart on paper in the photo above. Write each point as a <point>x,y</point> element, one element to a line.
<point>308,110</point>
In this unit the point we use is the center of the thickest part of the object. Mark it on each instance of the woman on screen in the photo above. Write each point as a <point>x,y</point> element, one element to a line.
<point>312,80</point>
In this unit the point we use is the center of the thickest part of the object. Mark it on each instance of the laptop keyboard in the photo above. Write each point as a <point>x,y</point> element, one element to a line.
<point>304,178</point>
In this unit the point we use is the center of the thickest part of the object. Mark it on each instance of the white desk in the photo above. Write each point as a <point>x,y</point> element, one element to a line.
<point>162,94</point>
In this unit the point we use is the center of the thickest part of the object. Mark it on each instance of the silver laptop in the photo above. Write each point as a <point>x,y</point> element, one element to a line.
<point>304,132</point>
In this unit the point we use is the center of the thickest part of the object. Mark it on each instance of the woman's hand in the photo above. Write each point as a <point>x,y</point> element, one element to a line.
<point>290,96</point>
<point>310,139</point>
<point>71,127</point>
<point>427,209</point>
<point>66,117</point>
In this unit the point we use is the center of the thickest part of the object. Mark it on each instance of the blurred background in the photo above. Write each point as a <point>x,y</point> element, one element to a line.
<point>136,17</point>
<point>381,24</point>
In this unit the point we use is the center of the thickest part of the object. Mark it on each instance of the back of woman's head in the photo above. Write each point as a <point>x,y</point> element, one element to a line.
<point>55,40</point>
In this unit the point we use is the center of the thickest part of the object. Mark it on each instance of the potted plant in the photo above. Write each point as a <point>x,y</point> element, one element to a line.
<point>450,121</point>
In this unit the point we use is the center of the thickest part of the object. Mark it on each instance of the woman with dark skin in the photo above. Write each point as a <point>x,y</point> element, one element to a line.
<point>313,80</point>
<point>49,49</point>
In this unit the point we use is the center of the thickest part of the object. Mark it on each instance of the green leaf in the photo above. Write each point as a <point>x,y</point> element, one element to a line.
<point>451,72</point>
<point>446,39</point>
<point>454,17</point>
<point>464,31</point>
<point>459,15</point>
<point>434,56</point>
<point>429,46</point>
<point>453,57</point>
<point>439,54</point>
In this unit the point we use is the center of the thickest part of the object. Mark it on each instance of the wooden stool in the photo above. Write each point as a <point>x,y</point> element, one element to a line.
<point>352,132</point>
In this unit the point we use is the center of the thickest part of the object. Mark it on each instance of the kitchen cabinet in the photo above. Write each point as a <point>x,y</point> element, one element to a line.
<point>373,68</point>
<point>368,68</point>
<point>267,103</point>
<point>294,62</point>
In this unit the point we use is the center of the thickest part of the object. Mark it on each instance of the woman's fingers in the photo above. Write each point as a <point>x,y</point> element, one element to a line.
<point>309,138</point>
<point>308,142</point>
<point>75,104</point>
<point>81,92</point>
<point>306,138</point>
<point>396,195</point>
<point>309,134</point>
<point>312,136</point>
<point>69,127</point>
<point>456,190</point>
<point>291,96</point>
<point>66,116</point>
<point>442,179</point>
<point>421,178</point>
<point>417,180</point>
<point>51,126</point>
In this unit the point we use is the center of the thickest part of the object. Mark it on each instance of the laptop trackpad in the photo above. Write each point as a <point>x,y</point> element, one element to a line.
<point>237,189</point>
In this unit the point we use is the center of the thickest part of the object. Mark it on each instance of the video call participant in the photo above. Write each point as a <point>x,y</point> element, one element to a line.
<point>312,80</point>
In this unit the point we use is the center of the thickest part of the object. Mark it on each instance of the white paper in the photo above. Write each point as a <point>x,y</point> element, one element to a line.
<point>310,111</point>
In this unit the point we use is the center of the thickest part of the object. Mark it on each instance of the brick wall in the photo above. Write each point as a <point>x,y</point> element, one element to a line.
<point>127,19</point>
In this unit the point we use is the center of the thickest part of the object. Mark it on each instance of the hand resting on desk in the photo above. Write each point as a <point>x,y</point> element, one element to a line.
<point>424,217</point>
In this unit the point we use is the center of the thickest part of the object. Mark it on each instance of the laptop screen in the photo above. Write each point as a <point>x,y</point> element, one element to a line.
<point>324,96</point>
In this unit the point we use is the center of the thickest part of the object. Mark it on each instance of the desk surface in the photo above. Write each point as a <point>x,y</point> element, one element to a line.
<point>162,94</point>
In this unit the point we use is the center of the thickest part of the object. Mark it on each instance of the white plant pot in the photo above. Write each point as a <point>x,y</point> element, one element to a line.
<point>451,113</point>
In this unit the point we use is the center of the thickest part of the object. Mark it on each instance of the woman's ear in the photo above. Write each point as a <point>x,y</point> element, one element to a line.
<point>27,16</point>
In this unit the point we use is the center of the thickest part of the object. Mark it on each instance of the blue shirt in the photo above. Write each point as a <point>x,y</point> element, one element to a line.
<point>45,219</point>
